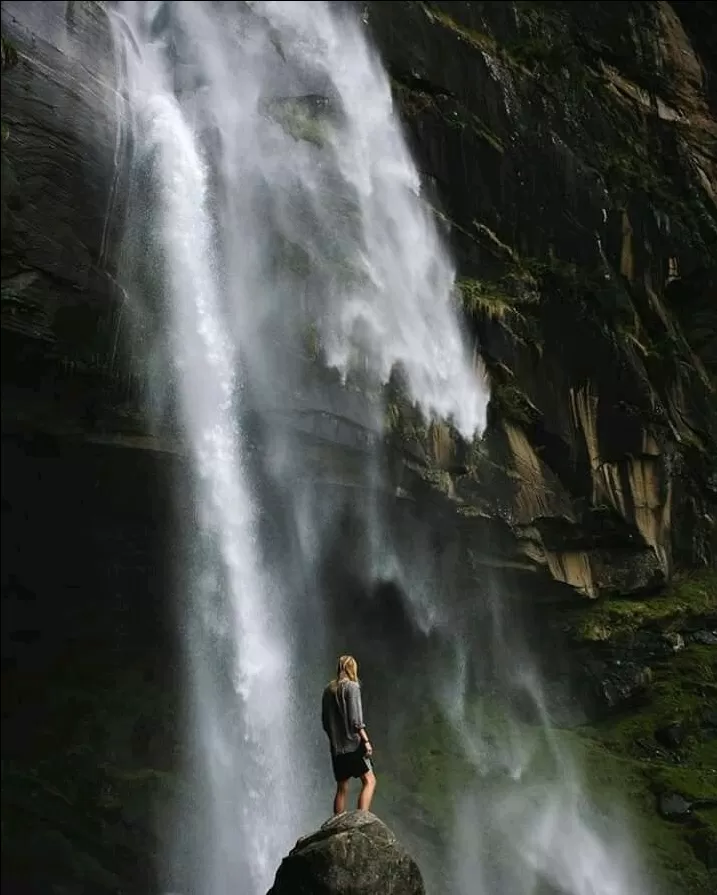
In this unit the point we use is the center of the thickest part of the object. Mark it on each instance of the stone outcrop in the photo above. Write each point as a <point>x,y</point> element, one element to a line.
<point>351,854</point>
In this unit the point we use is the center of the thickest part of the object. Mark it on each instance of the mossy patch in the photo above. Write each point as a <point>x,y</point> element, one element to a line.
<point>615,781</point>
<point>611,779</point>
<point>690,597</point>
<point>631,745</point>
<point>499,301</point>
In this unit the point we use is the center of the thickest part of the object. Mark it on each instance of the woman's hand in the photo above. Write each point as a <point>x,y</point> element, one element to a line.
<point>368,748</point>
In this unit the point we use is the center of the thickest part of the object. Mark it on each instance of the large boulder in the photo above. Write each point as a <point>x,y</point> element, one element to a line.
<point>353,853</point>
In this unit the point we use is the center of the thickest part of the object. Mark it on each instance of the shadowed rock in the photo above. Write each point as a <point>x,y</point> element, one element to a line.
<point>352,854</point>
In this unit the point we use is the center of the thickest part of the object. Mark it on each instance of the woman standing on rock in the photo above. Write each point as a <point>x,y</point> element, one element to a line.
<point>342,720</point>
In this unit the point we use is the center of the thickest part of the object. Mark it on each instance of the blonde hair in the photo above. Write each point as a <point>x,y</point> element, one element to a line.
<point>346,670</point>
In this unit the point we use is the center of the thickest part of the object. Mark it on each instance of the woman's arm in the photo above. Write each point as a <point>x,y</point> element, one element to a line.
<point>355,714</point>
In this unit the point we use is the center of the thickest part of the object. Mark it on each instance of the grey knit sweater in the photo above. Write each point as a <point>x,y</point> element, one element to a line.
<point>342,716</point>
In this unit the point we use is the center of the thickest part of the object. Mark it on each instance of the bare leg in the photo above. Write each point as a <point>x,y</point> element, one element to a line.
<point>368,785</point>
<point>342,790</point>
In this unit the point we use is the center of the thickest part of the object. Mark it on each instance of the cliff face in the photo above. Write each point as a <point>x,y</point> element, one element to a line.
<point>570,150</point>
<point>573,151</point>
<point>63,320</point>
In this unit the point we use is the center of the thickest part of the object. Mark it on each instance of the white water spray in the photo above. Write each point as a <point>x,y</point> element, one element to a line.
<point>237,645</point>
<point>220,181</point>
<point>278,199</point>
<point>396,308</point>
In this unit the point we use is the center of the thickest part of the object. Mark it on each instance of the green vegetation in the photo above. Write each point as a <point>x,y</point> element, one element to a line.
<point>626,747</point>
<point>623,752</point>
<point>513,302</point>
<point>489,299</point>
<point>513,404</point>
<point>611,780</point>
<point>434,771</point>
<point>615,780</point>
<point>607,619</point>
<point>622,762</point>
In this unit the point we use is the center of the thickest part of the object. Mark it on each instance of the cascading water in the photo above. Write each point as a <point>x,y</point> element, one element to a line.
<point>279,248</point>
<point>236,641</point>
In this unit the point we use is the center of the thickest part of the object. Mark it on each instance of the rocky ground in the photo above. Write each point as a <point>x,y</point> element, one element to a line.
<point>353,854</point>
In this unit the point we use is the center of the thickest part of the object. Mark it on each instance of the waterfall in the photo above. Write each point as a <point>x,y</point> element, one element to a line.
<point>237,643</point>
<point>285,267</point>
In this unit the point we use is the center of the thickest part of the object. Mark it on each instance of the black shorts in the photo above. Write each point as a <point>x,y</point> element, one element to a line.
<point>351,764</point>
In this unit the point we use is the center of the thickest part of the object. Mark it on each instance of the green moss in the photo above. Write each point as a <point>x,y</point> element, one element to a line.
<point>680,688</point>
<point>431,769</point>
<point>622,754</point>
<point>606,619</point>
<point>627,745</point>
<point>402,418</point>
<point>485,298</point>
<point>614,780</point>
<point>439,479</point>
<point>611,780</point>
<point>511,403</point>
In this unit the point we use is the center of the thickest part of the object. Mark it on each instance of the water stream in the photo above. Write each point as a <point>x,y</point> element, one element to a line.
<point>284,267</point>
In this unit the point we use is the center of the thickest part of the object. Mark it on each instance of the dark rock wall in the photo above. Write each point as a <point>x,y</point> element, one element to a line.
<point>90,676</point>
<point>572,148</point>
<point>63,339</point>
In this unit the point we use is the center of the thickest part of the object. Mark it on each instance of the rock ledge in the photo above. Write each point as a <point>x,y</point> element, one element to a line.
<point>353,853</point>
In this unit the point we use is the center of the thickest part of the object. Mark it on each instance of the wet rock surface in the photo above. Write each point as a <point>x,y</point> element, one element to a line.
<point>352,854</point>
<point>563,275</point>
<point>671,736</point>
<point>673,806</point>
